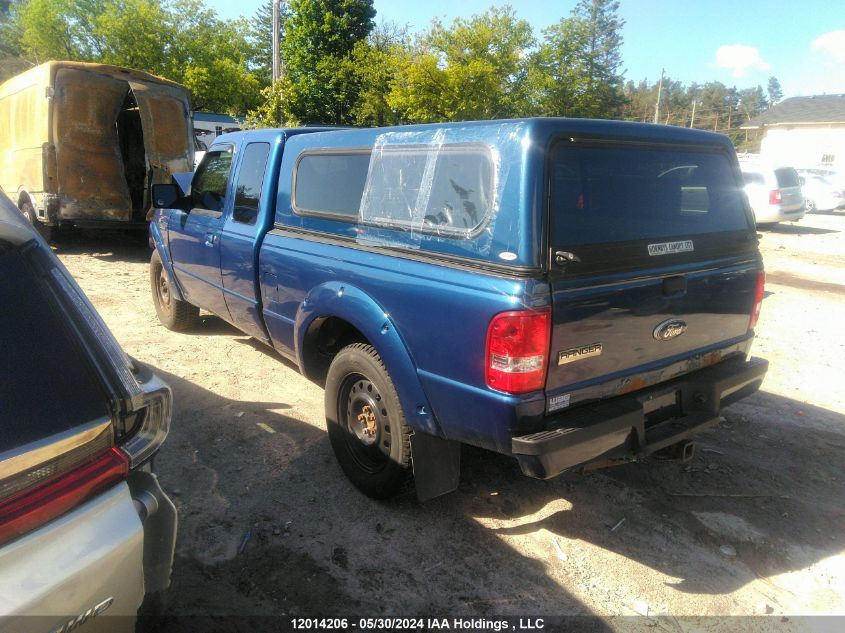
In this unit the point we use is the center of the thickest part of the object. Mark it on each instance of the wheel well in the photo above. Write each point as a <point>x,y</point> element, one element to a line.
<point>325,337</point>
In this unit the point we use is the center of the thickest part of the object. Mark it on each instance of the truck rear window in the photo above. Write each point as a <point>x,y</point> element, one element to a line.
<point>787,177</point>
<point>603,194</point>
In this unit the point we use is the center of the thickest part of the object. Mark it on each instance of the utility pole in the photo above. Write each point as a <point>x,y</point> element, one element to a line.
<point>277,71</point>
<point>659,90</point>
<point>692,120</point>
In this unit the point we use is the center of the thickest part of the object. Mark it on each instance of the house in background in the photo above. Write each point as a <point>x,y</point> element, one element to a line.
<point>209,125</point>
<point>803,132</point>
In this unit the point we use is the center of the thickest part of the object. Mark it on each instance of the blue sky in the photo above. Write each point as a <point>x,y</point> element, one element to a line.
<point>737,43</point>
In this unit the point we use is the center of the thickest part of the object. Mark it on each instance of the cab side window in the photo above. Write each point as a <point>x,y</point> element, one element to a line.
<point>250,181</point>
<point>208,188</point>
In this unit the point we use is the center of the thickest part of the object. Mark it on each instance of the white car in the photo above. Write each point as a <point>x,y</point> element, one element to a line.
<point>823,190</point>
<point>85,529</point>
<point>774,193</point>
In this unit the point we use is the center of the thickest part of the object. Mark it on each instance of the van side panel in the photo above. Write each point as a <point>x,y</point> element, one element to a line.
<point>24,111</point>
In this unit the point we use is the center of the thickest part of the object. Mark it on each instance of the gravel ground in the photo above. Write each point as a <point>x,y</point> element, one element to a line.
<point>754,525</point>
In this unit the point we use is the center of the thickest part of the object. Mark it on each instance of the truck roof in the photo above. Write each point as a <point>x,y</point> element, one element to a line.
<point>537,129</point>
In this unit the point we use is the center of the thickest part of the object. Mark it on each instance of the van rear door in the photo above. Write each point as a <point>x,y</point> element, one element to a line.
<point>653,261</point>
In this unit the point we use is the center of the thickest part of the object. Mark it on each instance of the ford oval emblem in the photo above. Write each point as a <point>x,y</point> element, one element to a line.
<point>670,329</point>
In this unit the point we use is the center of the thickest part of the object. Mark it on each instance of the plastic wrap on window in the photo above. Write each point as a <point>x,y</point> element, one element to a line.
<point>441,185</point>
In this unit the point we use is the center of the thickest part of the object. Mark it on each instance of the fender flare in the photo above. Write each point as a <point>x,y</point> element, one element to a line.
<point>347,302</point>
<point>158,243</point>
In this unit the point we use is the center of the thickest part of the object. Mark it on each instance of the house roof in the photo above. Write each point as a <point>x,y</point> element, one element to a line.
<point>802,110</point>
<point>215,117</point>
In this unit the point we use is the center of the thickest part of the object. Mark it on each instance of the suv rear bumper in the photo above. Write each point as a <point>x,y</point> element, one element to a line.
<point>639,423</point>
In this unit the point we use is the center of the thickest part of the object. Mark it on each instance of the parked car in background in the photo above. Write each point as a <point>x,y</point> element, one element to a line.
<point>774,193</point>
<point>85,528</point>
<point>824,190</point>
<point>81,143</point>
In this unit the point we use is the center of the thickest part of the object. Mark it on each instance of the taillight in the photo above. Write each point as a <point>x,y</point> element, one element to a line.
<point>41,503</point>
<point>758,299</point>
<point>775,197</point>
<point>149,423</point>
<point>517,351</point>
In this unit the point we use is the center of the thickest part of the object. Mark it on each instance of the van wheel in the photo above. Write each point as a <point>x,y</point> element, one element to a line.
<point>29,213</point>
<point>174,314</point>
<point>367,428</point>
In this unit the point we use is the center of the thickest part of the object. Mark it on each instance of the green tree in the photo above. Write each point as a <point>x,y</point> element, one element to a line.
<point>318,39</point>
<point>474,69</point>
<point>577,69</point>
<point>752,101</point>
<point>261,27</point>
<point>774,90</point>
<point>181,40</point>
<point>11,62</point>
<point>375,64</point>
<point>58,29</point>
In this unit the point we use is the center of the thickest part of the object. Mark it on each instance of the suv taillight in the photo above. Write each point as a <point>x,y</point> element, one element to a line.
<point>67,485</point>
<point>517,351</point>
<point>758,299</point>
<point>775,197</point>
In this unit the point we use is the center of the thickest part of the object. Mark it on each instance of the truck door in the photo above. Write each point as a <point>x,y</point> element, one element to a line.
<point>239,240</point>
<point>194,235</point>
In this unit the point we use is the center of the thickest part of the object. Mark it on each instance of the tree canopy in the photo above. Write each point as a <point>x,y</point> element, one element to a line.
<point>181,40</point>
<point>341,68</point>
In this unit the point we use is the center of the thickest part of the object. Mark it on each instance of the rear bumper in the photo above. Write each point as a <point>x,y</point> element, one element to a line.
<point>91,557</point>
<point>639,423</point>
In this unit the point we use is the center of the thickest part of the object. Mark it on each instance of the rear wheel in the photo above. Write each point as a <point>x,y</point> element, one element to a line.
<point>367,428</point>
<point>173,313</point>
<point>809,205</point>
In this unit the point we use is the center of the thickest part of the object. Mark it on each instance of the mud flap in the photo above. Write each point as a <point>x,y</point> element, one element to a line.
<point>437,465</point>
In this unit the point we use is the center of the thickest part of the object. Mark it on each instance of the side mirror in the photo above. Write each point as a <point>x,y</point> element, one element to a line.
<point>166,196</point>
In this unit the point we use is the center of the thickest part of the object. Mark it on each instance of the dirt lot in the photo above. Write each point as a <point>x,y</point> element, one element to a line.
<point>268,524</point>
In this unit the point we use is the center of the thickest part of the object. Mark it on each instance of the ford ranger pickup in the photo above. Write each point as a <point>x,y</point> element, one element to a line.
<point>561,291</point>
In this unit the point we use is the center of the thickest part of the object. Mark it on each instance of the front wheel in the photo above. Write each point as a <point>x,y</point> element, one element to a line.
<point>173,313</point>
<point>809,205</point>
<point>367,428</point>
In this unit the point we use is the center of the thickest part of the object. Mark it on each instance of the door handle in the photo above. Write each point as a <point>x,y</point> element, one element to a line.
<point>210,239</point>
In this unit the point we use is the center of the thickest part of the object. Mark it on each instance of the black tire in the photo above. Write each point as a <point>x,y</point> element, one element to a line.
<point>173,313</point>
<point>367,428</point>
<point>29,212</point>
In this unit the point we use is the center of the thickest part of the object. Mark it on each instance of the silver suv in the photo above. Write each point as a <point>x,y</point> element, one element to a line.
<point>774,192</point>
<point>85,528</point>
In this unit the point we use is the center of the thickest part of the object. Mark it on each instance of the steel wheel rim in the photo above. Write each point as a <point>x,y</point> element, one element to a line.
<point>163,290</point>
<point>362,413</point>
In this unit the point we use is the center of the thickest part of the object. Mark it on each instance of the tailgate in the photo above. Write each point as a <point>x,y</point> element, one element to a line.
<point>653,261</point>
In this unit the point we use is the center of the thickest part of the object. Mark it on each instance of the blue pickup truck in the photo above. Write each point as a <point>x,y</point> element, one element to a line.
<point>562,291</point>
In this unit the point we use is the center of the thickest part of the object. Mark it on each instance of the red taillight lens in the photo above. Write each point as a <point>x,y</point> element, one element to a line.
<point>517,351</point>
<point>774,196</point>
<point>40,504</point>
<point>758,299</point>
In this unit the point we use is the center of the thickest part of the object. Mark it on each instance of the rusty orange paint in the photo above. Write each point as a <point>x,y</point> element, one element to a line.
<point>84,141</point>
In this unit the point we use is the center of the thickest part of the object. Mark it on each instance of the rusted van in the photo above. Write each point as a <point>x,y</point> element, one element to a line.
<point>80,144</point>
